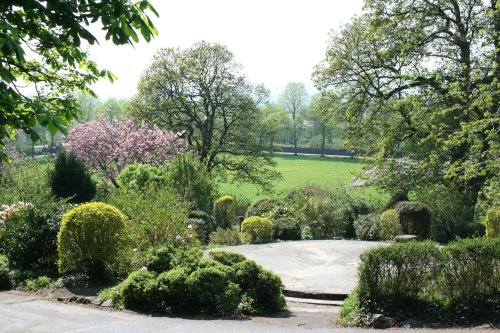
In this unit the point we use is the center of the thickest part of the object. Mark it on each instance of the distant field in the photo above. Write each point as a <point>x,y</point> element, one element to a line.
<point>302,170</point>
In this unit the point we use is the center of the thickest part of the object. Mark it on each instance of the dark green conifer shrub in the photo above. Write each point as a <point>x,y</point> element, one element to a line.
<point>398,196</point>
<point>71,179</point>
<point>415,218</point>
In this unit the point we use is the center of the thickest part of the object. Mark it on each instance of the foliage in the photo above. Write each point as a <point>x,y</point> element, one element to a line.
<point>389,224</point>
<point>139,290</point>
<point>225,237</point>
<point>424,91</point>
<point>92,239</point>
<point>202,92</point>
<point>174,292</point>
<point>156,216</point>
<point>202,223</point>
<point>70,179</point>
<point>191,178</point>
<point>42,49</point>
<point>39,283</point>
<point>227,258</point>
<point>368,227</point>
<point>415,218</point>
<point>224,212</point>
<point>137,177</point>
<point>488,197</point>
<point>398,196</point>
<point>493,222</point>
<point>263,207</point>
<point>166,257</point>
<point>108,147</point>
<point>30,236</point>
<point>457,283</point>
<point>5,282</point>
<point>286,229</point>
<point>256,229</point>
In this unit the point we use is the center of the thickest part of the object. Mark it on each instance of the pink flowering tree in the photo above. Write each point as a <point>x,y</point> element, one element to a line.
<point>108,147</point>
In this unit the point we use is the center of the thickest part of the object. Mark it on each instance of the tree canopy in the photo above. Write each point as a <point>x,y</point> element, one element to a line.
<point>203,92</point>
<point>421,78</point>
<point>294,99</point>
<point>41,48</point>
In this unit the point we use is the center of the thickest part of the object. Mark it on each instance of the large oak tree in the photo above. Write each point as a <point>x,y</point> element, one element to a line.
<point>203,92</point>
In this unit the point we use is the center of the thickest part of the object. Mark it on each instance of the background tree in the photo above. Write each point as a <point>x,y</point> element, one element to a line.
<point>294,99</point>
<point>202,92</point>
<point>421,78</point>
<point>55,66</point>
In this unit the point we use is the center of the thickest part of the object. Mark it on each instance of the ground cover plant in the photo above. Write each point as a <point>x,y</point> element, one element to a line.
<point>458,283</point>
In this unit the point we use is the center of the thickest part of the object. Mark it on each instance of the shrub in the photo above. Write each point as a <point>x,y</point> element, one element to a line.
<point>91,239</point>
<point>389,224</point>
<point>139,290</point>
<point>140,176</point>
<point>30,236</point>
<point>174,291</point>
<point>368,227</point>
<point>415,218</point>
<point>166,257</point>
<point>224,212</point>
<point>71,179</point>
<point>493,222</point>
<point>398,196</point>
<point>225,237</point>
<point>39,283</point>
<point>4,273</point>
<point>156,216</point>
<point>261,288</point>
<point>286,229</point>
<point>190,178</point>
<point>255,229</point>
<point>202,223</point>
<point>263,207</point>
<point>488,197</point>
<point>227,258</point>
<point>213,292</point>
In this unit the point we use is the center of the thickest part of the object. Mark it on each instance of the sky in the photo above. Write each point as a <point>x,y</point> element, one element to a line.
<point>276,41</point>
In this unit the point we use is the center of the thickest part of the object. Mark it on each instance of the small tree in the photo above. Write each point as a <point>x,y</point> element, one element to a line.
<point>108,147</point>
<point>71,179</point>
<point>224,212</point>
<point>493,222</point>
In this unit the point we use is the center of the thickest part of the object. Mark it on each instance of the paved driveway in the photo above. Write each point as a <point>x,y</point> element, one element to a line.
<point>314,266</point>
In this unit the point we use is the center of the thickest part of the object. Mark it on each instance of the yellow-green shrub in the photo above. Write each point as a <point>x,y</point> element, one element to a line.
<point>224,212</point>
<point>493,222</point>
<point>389,224</point>
<point>256,229</point>
<point>91,239</point>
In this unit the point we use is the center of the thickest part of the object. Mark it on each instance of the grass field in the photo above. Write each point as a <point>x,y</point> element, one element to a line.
<point>302,170</point>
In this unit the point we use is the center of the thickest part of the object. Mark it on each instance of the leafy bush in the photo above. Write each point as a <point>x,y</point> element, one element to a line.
<point>91,240</point>
<point>224,212</point>
<point>286,229</point>
<point>202,223</point>
<point>415,218</point>
<point>138,176</point>
<point>368,227</point>
<point>227,258</point>
<point>71,179</point>
<point>225,237</point>
<point>389,224</point>
<point>256,229</point>
<point>156,216</point>
<point>30,236</point>
<point>263,207</point>
<point>493,222</point>
<point>139,290</point>
<point>39,283</point>
<point>174,291</point>
<point>398,196</point>
<point>163,258</point>
<point>488,197</point>
<point>190,178</point>
<point>457,283</point>
<point>4,273</point>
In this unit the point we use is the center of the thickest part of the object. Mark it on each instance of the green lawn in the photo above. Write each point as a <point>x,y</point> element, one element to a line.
<point>302,170</point>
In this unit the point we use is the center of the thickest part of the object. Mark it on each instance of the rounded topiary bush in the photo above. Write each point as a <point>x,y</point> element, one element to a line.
<point>493,222</point>
<point>71,179</point>
<point>368,227</point>
<point>91,239</point>
<point>286,229</point>
<point>398,196</point>
<point>389,224</point>
<point>256,229</point>
<point>224,211</point>
<point>263,207</point>
<point>415,218</point>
